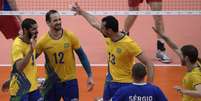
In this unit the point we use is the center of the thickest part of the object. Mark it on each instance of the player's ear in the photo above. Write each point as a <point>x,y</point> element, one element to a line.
<point>24,30</point>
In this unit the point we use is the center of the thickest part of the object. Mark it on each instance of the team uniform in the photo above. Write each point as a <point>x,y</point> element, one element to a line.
<point>23,86</point>
<point>190,80</point>
<point>9,24</point>
<point>135,3</point>
<point>139,92</point>
<point>60,66</point>
<point>121,56</point>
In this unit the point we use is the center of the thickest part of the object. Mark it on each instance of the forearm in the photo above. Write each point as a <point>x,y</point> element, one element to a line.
<point>149,66</point>
<point>195,94</point>
<point>91,19</point>
<point>150,72</point>
<point>21,64</point>
<point>170,43</point>
<point>84,60</point>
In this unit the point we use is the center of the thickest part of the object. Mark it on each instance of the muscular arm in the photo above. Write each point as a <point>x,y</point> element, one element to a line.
<point>84,60</point>
<point>170,43</point>
<point>21,63</point>
<point>194,93</point>
<point>90,18</point>
<point>149,65</point>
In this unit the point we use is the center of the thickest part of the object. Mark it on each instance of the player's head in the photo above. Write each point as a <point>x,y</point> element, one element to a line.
<point>53,20</point>
<point>138,72</point>
<point>109,26</point>
<point>30,27</point>
<point>190,54</point>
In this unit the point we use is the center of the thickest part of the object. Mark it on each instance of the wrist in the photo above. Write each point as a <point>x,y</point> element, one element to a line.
<point>90,75</point>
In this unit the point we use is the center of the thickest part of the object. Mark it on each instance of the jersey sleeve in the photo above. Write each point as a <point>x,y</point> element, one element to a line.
<point>75,41</point>
<point>196,78</point>
<point>134,48</point>
<point>16,53</point>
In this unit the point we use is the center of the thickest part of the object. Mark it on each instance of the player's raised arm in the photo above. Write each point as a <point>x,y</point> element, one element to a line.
<point>90,18</point>
<point>170,43</point>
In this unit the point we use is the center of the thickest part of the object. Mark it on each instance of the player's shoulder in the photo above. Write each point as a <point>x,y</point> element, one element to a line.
<point>195,72</point>
<point>44,37</point>
<point>68,32</point>
<point>154,87</point>
<point>17,42</point>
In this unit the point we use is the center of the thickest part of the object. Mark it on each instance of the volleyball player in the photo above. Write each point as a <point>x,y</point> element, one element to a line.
<point>188,54</point>
<point>121,51</point>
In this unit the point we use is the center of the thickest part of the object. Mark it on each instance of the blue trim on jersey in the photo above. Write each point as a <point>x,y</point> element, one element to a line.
<point>6,6</point>
<point>84,60</point>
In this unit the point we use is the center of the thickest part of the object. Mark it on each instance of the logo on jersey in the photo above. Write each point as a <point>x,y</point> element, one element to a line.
<point>118,50</point>
<point>66,45</point>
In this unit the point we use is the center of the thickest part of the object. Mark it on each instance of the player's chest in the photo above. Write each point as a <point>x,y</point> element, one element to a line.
<point>58,45</point>
<point>116,50</point>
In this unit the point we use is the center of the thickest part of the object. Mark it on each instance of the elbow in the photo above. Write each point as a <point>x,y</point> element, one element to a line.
<point>94,25</point>
<point>19,67</point>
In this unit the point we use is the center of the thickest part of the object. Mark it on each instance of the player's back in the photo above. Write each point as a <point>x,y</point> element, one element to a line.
<point>139,92</point>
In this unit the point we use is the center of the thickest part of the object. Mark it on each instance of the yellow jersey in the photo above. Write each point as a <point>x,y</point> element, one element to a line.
<point>59,54</point>
<point>190,80</point>
<point>121,57</point>
<point>19,50</point>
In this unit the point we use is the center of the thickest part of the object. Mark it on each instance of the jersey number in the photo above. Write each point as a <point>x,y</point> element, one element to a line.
<point>112,58</point>
<point>59,58</point>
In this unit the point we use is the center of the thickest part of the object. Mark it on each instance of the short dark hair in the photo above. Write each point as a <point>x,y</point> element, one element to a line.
<point>111,22</point>
<point>27,23</point>
<point>47,16</point>
<point>138,71</point>
<point>190,51</point>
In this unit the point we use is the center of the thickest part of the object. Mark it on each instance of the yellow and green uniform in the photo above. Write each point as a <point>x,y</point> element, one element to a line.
<point>27,80</point>
<point>121,56</point>
<point>59,54</point>
<point>190,80</point>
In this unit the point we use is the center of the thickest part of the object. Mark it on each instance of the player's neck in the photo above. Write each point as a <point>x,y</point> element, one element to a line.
<point>55,34</point>
<point>139,81</point>
<point>117,36</point>
<point>24,38</point>
<point>190,67</point>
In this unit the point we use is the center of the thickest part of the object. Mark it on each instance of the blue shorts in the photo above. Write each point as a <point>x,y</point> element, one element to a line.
<point>67,90</point>
<point>110,88</point>
<point>32,96</point>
